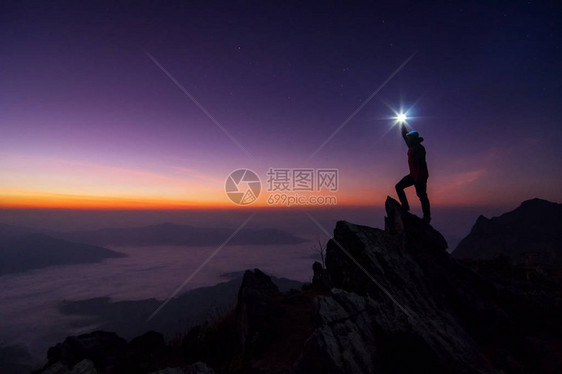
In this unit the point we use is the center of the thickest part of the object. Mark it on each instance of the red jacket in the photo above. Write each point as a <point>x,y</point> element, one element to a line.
<point>416,162</point>
<point>416,158</point>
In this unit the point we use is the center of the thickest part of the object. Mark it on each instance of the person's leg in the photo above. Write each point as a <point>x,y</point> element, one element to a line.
<point>421,191</point>
<point>407,181</point>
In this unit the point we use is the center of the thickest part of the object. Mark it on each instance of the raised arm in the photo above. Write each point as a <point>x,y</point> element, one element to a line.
<point>404,130</point>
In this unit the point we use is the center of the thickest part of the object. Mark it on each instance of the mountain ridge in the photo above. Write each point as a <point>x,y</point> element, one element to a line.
<point>23,252</point>
<point>533,228</point>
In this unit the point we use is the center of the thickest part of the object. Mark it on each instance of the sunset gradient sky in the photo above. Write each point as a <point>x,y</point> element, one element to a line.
<point>89,120</point>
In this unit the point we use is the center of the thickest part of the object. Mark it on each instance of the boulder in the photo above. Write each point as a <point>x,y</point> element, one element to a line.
<point>254,307</point>
<point>104,349</point>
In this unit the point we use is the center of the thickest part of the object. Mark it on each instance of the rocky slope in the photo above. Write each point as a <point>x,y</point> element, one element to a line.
<point>388,301</point>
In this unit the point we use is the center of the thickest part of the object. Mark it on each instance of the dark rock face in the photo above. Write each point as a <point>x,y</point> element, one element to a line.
<point>533,231</point>
<point>264,334</point>
<point>108,353</point>
<point>343,341</point>
<point>104,349</point>
<point>145,352</point>
<point>320,279</point>
<point>395,290</point>
<point>400,303</point>
<point>254,308</point>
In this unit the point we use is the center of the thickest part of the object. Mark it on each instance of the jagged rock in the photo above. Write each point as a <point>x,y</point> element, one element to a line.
<point>147,343</point>
<point>402,292</point>
<point>103,348</point>
<point>320,279</point>
<point>108,352</point>
<point>254,308</point>
<point>84,367</point>
<point>144,353</point>
<point>191,342</point>
<point>199,368</point>
<point>414,229</point>
<point>343,341</point>
<point>56,368</point>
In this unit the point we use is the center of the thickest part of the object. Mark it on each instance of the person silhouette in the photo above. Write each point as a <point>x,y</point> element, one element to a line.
<point>418,172</point>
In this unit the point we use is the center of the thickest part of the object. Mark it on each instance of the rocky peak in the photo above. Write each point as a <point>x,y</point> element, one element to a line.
<point>414,230</point>
<point>394,289</point>
<point>400,303</point>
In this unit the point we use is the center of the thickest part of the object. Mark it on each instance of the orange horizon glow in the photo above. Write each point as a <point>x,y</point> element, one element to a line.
<point>45,200</point>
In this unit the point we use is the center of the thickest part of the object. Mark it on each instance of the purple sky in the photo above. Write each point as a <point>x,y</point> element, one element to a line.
<point>86,115</point>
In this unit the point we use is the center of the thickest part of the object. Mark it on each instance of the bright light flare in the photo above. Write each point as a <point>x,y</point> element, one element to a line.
<point>401,117</point>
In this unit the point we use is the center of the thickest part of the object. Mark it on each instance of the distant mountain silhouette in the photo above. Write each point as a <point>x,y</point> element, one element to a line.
<point>534,230</point>
<point>35,251</point>
<point>184,235</point>
<point>129,318</point>
<point>11,230</point>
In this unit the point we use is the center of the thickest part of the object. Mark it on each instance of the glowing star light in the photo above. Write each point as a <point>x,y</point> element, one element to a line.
<point>401,118</point>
